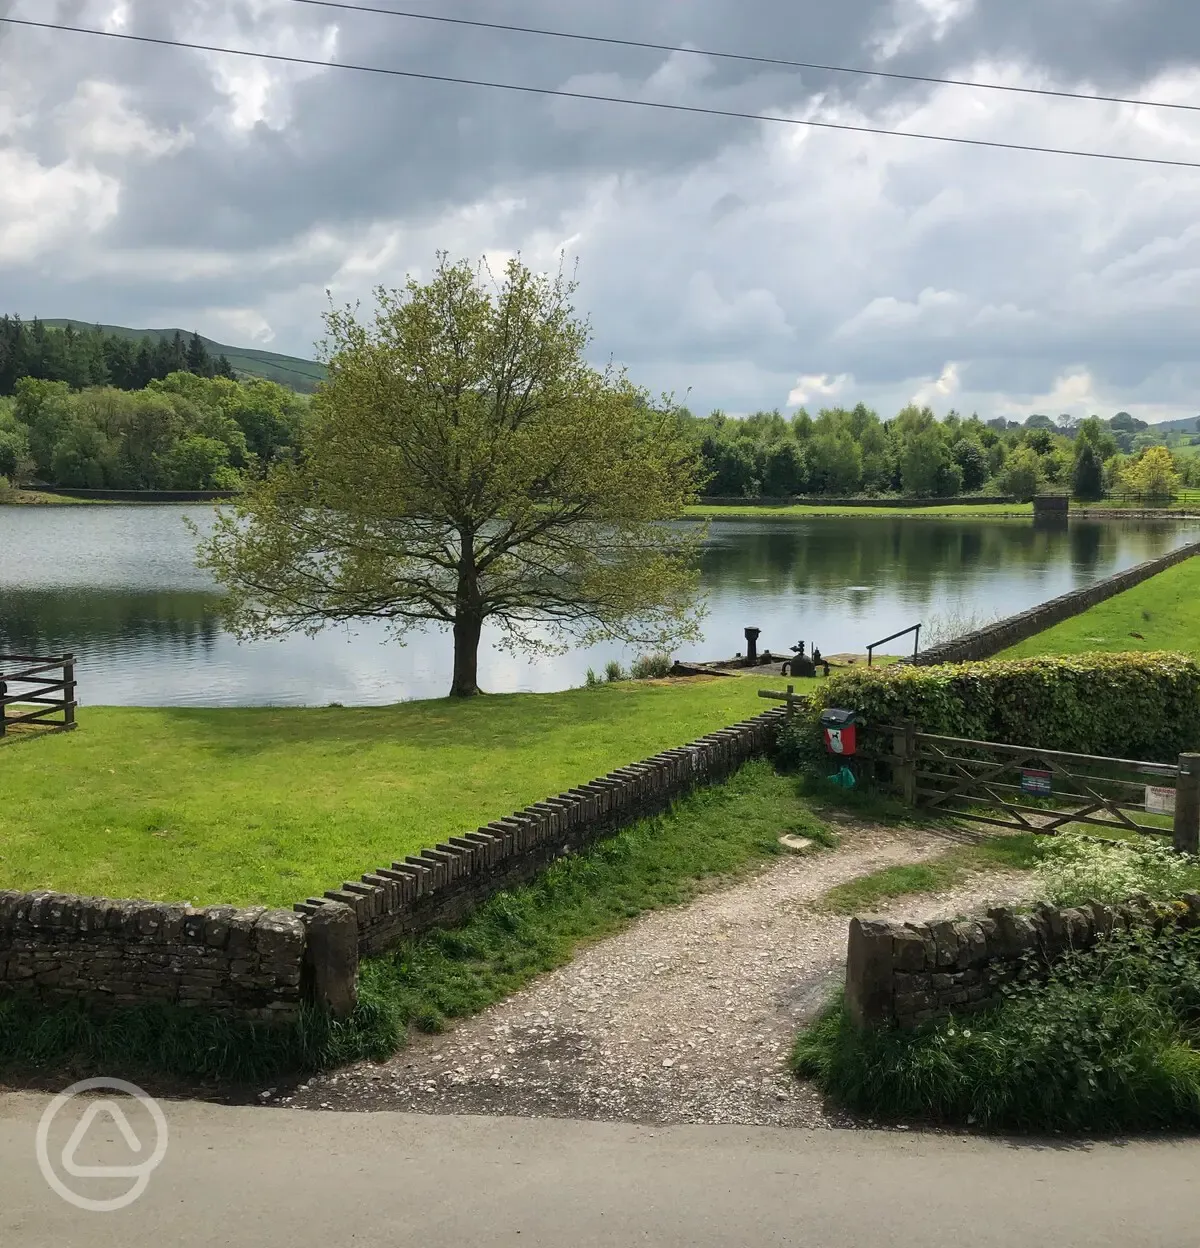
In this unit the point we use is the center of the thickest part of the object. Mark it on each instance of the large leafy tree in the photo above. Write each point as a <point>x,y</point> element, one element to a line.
<point>1153,473</point>
<point>466,464</point>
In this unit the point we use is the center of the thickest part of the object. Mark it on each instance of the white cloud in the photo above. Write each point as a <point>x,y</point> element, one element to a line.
<point>46,207</point>
<point>259,92</point>
<point>819,387</point>
<point>98,121</point>
<point>245,324</point>
<point>912,21</point>
<point>939,391</point>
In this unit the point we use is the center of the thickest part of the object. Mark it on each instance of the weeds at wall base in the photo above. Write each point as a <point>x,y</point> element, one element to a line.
<point>1109,1042</point>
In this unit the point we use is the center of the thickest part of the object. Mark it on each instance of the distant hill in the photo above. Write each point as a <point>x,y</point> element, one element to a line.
<point>287,370</point>
<point>1189,424</point>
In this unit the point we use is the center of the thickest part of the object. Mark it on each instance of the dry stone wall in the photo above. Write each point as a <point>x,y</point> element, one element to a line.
<point>244,962</point>
<point>905,974</point>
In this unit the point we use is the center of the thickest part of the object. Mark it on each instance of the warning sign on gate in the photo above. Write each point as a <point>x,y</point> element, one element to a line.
<point>1035,781</point>
<point>1159,801</point>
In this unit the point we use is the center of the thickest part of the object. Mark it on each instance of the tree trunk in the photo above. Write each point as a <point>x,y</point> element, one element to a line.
<point>468,620</point>
<point>466,655</point>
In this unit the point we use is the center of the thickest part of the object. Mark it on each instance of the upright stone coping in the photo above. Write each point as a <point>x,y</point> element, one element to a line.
<point>904,974</point>
<point>990,640</point>
<point>442,884</point>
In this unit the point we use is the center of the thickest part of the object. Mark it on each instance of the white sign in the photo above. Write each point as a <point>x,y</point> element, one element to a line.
<point>111,1110</point>
<point>1159,801</point>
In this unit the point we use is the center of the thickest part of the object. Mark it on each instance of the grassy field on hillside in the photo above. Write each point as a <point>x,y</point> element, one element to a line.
<point>1162,613</point>
<point>269,805</point>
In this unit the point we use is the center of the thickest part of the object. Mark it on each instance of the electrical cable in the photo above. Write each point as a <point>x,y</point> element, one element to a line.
<point>561,93</point>
<point>781,62</point>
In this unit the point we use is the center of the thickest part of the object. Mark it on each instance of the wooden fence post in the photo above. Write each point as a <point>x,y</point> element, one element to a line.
<point>904,747</point>
<point>1187,805</point>
<point>787,715</point>
<point>69,690</point>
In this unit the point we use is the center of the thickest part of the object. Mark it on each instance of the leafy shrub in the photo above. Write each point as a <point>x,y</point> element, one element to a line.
<point>650,666</point>
<point>1074,869</point>
<point>4,486</point>
<point>1105,1043</point>
<point>592,679</point>
<point>1120,705</point>
<point>613,671</point>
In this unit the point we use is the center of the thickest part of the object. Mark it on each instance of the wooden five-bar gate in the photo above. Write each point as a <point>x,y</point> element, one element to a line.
<point>36,693</point>
<point>1032,789</point>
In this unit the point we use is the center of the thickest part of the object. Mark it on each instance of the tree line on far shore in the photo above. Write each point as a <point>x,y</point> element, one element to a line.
<point>181,432</point>
<point>846,452</point>
<point>85,356</point>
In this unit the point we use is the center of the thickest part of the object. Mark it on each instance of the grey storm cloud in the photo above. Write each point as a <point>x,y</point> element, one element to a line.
<point>751,264</point>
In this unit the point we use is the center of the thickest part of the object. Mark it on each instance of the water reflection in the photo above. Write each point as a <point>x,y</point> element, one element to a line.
<point>118,586</point>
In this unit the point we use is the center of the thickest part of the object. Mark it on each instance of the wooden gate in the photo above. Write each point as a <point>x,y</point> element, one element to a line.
<point>36,693</point>
<point>1031,789</point>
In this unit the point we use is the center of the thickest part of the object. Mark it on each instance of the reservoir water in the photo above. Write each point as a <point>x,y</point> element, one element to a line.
<point>118,586</point>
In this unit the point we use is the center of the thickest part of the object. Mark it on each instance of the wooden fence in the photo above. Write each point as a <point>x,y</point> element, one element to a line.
<point>1031,789</point>
<point>34,690</point>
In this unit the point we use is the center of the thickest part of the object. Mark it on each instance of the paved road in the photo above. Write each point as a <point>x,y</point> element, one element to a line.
<point>273,1178</point>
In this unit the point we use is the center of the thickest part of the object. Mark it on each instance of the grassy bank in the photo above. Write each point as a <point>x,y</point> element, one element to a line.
<point>268,805</point>
<point>1162,613</point>
<point>35,498</point>
<point>708,836</point>
<point>803,510</point>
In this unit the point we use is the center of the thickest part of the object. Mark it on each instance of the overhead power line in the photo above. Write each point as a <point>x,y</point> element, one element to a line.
<point>561,93</point>
<point>778,61</point>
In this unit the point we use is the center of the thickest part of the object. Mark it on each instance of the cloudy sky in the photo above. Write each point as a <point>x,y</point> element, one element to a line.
<point>756,265</point>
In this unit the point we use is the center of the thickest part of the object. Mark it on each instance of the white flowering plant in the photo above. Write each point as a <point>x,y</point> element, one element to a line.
<point>1075,868</point>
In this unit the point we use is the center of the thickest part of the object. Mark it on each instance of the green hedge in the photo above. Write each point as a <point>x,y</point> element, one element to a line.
<point>1140,705</point>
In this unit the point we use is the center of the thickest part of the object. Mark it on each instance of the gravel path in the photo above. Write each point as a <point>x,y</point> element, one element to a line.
<point>686,1016</point>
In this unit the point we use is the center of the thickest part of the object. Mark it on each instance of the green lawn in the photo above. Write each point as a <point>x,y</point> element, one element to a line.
<point>269,805</point>
<point>1162,613</point>
<point>801,510</point>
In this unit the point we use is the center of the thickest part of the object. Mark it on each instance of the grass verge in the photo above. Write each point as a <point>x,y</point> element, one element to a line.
<point>1162,613</point>
<point>1013,853</point>
<point>710,835</point>
<point>267,805</point>
<point>35,498</point>
<point>1107,1043</point>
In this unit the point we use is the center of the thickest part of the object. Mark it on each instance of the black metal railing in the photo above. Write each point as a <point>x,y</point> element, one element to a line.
<point>912,628</point>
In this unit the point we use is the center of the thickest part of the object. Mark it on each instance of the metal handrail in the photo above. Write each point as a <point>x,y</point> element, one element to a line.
<point>884,640</point>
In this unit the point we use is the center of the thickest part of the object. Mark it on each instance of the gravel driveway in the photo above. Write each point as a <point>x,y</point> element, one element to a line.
<point>686,1016</point>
